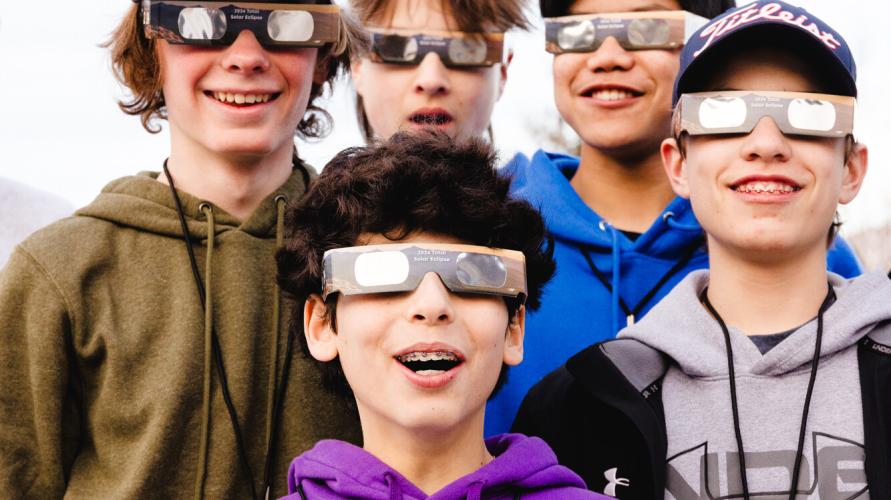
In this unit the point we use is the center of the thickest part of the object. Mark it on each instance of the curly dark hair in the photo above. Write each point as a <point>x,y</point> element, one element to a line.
<point>704,8</point>
<point>411,183</point>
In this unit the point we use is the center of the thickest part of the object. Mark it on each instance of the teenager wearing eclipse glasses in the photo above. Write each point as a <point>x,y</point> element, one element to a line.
<point>623,239</point>
<point>766,375</point>
<point>144,354</point>
<point>412,270</point>
<point>432,64</point>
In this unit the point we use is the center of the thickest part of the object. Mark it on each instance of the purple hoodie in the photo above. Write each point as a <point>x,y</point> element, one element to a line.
<point>523,467</point>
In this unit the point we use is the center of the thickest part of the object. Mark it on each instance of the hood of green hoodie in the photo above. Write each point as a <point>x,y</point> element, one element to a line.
<point>141,202</point>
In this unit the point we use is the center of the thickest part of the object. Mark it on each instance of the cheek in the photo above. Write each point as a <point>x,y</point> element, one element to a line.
<point>477,93</point>
<point>298,67</point>
<point>564,69</point>
<point>487,319</point>
<point>383,89</point>
<point>180,70</point>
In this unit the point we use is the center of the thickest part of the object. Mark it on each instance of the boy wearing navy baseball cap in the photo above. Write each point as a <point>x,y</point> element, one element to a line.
<point>765,375</point>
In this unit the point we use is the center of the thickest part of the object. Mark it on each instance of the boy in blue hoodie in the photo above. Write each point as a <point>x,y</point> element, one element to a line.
<point>412,270</point>
<point>622,238</point>
<point>766,375</point>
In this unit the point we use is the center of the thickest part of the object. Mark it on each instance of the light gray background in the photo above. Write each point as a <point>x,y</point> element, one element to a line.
<point>61,130</point>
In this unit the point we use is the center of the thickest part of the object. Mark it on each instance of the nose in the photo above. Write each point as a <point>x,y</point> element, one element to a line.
<point>432,76</point>
<point>766,142</point>
<point>431,302</point>
<point>246,55</point>
<point>610,56</point>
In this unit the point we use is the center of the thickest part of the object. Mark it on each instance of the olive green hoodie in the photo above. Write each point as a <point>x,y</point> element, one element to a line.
<point>104,355</point>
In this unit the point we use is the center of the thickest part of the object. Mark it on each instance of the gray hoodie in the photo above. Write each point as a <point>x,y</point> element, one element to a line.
<point>702,459</point>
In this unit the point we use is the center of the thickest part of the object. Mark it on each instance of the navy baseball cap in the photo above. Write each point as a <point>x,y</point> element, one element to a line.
<point>777,23</point>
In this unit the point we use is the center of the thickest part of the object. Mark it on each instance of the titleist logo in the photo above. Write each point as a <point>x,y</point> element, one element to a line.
<point>771,11</point>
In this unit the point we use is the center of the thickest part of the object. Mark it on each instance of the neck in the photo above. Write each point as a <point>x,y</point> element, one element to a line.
<point>430,458</point>
<point>761,298</point>
<point>237,184</point>
<point>628,192</point>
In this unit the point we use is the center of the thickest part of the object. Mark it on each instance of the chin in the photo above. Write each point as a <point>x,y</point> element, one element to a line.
<point>770,244</point>
<point>246,150</point>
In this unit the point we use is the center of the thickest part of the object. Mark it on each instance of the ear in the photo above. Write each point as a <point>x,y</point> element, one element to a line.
<point>513,340</point>
<point>675,165</point>
<point>502,76</point>
<point>855,171</point>
<point>357,73</point>
<point>320,336</point>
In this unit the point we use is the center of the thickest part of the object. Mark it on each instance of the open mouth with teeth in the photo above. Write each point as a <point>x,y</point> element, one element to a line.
<point>431,119</point>
<point>430,363</point>
<point>610,93</point>
<point>242,100</point>
<point>766,187</point>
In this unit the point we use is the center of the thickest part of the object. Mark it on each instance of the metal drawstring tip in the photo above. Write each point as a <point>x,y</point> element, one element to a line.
<point>629,320</point>
<point>267,492</point>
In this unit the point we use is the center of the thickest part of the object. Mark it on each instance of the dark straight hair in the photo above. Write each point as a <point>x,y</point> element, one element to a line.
<point>704,8</point>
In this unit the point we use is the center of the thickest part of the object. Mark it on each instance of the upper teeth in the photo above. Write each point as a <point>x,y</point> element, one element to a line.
<point>428,356</point>
<point>611,94</point>
<point>765,187</point>
<point>241,98</point>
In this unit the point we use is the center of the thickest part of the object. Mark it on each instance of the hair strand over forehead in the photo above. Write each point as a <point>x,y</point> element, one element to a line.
<point>472,16</point>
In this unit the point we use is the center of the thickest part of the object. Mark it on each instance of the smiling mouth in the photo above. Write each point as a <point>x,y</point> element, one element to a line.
<point>433,118</point>
<point>766,187</point>
<point>237,99</point>
<point>611,94</point>
<point>428,364</point>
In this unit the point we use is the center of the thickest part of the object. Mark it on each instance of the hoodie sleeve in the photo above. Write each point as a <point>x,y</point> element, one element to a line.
<point>38,417</point>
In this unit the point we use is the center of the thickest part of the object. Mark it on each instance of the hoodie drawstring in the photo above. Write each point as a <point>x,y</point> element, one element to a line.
<point>631,315</point>
<point>272,408</point>
<point>208,334</point>
<point>815,361</point>
<point>393,484</point>
<point>215,349</point>
<point>617,275</point>
<point>475,491</point>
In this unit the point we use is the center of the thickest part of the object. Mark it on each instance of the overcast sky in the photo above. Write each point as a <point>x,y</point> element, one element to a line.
<point>61,131</point>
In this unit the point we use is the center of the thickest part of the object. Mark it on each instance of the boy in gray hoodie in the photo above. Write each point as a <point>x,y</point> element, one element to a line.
<point>765,375</point>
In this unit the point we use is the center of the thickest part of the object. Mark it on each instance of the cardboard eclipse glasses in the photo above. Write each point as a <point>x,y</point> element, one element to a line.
<point>219,23</point>
<point>643,30</point>
<point>401,267</point>
<point>737,112</point>
<point>454,48</point>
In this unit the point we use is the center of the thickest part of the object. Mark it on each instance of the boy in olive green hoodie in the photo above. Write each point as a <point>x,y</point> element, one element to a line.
<point>143,353</point>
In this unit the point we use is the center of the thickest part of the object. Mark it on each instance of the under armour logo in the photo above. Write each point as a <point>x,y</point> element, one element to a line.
<point>614,481</point>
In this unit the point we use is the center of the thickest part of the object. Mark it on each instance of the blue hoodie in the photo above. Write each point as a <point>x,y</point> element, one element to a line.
<point>523,467</point>
<point>578,308</point>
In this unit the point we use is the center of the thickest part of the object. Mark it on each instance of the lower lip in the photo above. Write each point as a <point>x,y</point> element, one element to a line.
<point>430,381</point>
<point>767,198</point>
